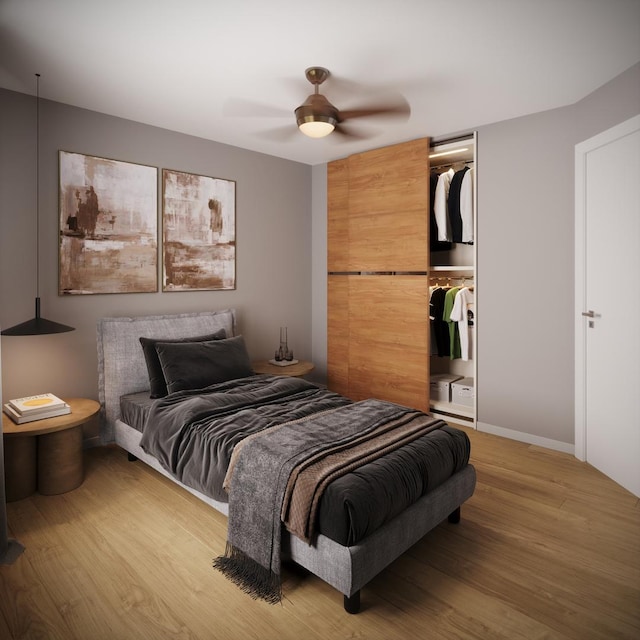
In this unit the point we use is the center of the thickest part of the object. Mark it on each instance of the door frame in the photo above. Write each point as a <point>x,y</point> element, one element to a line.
<point>582,150</point>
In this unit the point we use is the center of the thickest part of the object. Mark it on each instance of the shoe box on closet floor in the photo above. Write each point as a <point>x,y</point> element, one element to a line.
<point>463,392</point>
<point>440,386</point>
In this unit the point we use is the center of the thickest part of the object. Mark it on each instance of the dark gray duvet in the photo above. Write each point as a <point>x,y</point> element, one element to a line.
<point>193,433</point>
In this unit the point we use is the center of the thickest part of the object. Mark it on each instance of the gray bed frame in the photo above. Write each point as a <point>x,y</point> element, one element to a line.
<point>122,370</point>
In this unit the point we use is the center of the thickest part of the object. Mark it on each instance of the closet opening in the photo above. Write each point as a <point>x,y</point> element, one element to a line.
<point>452,280</point>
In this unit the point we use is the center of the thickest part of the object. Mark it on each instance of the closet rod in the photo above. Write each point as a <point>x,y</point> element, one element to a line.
<point>462,279</point>
<point>451,277</point>
<point>450,164</point>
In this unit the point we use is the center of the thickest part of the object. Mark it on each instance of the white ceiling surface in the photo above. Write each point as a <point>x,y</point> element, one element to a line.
<point>204,67</point>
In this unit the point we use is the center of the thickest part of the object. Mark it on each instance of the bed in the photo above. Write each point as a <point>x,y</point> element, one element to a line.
<point>345,560</point>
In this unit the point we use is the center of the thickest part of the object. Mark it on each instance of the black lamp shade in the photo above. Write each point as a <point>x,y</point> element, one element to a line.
<point>36,326</point>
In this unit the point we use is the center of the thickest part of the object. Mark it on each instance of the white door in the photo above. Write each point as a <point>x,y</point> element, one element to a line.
<point>608,303</point>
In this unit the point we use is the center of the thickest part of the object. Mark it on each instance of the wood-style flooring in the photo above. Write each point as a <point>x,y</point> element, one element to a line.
<point>547,547</point>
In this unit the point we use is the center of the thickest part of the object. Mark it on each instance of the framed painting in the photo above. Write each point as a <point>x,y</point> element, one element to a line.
<point>198,232</point>
<point>108,226</point>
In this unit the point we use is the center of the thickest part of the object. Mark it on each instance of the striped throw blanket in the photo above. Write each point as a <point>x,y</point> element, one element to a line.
<point>278,475</point>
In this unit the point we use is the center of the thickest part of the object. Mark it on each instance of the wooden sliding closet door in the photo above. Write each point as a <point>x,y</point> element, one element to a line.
<point>389,339</point>
<point>389,208</point>
<point>338,216</point>
<point>337,285</point>
<point>378,256</point>
<point>338,334</point>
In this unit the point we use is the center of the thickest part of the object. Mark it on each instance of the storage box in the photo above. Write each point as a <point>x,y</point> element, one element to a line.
<point>463,392</point>
<point>440,386</point>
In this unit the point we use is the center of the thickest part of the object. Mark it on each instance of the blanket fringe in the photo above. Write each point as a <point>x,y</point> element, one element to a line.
<point>254,579</point>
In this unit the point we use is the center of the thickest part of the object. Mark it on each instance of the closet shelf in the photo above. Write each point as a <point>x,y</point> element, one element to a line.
<point>451,409</point>
<point>452,268</point>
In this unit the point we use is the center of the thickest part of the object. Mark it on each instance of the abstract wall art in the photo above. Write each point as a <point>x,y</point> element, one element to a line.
<point>108,226</point>
<point>198,231</point>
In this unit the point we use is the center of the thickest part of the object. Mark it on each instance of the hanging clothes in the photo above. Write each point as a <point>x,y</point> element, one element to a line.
<point>439,328</point>
<point>454,335</point>
<point>433,344</point>
<point>463,312</point>
<point>453,204</point>
<point>434,243</point>
<point>440,206</point>
<point>466,206</point>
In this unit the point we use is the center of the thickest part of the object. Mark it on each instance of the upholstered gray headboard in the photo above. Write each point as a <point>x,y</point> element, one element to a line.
<point>121,365</point>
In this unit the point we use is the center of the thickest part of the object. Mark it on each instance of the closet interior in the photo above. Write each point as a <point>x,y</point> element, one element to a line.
<point>452,280</point>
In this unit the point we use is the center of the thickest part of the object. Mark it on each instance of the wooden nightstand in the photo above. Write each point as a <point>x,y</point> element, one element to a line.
<point>46,454</point>
<point>297,370</point>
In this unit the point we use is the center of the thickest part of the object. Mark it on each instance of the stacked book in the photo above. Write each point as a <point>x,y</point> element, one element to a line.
<point>31,408</point>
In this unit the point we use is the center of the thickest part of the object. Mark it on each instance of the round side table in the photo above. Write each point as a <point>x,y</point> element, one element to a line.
<point>46,454</point>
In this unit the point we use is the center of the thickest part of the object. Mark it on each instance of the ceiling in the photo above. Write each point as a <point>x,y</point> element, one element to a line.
<point>234,71</point>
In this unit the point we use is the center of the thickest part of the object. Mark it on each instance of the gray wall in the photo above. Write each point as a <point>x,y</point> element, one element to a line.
<point>526,261</point>
<point>273,226</point>
<point>525,275</point>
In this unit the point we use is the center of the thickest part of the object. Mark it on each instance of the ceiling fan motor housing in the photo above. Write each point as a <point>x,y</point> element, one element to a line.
<point>316,108</point>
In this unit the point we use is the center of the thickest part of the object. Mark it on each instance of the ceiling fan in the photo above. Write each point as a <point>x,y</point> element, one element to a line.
<point>316,117</point>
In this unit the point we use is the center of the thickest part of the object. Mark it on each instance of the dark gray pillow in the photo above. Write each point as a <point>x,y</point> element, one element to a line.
<point>157,382</point>
<point>195,365</point>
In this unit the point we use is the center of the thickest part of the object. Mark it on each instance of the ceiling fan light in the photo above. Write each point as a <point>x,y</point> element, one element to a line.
<point>316,128</point>
<point>317,117</point>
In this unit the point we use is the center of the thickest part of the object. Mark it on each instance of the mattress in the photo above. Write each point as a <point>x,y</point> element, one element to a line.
<point>134,408</point>
<point>358,503</point>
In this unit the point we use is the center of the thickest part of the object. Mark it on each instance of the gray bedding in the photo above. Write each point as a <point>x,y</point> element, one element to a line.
<point>192,434</point>
<point>134,409</point>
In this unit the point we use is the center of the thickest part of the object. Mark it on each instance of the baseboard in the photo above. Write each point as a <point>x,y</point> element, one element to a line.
<point>529,438</point>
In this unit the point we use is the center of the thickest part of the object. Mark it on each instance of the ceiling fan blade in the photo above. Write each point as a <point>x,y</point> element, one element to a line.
<point>349,133</point>
<point>240,108</point>
<point>279,134</point>
<point>396,110</point>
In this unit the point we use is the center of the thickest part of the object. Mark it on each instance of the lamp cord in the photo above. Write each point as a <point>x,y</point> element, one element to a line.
<point>37,185</point>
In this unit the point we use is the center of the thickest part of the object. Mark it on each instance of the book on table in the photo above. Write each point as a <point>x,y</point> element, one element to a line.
<point>30,408</point>
<point>36,404</point>
<point>49,413</point>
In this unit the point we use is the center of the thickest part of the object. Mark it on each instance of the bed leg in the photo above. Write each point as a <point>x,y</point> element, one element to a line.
<point>131,457</point>
<point>454,516</point>
<point>352,603</point>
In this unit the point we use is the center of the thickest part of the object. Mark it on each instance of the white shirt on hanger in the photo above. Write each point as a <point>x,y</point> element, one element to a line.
<point>463,312</point>
<point>440,205</point>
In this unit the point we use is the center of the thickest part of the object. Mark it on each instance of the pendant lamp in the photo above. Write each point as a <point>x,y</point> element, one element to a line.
<point>37,325</point>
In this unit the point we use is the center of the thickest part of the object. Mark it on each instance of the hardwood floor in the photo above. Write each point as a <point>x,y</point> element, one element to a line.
<point>547,548</point>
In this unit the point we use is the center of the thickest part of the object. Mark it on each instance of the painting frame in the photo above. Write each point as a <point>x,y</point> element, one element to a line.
<point>108,225</point>
<point>198,232</point>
